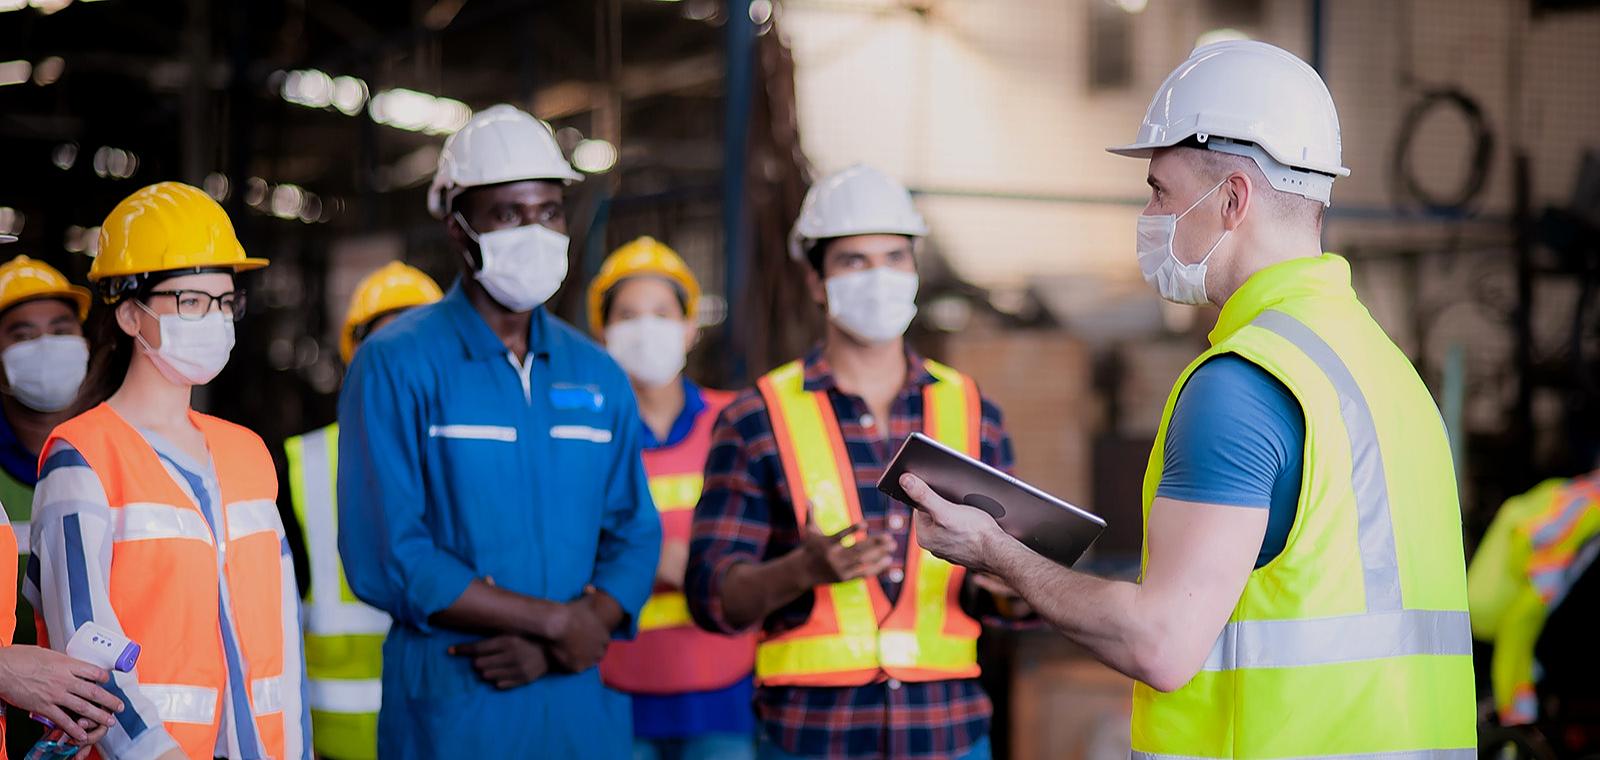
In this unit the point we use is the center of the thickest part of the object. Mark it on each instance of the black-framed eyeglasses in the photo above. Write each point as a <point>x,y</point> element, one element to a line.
<point>194,305</point>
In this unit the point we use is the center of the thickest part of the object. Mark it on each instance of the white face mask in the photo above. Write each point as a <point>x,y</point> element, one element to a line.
<point>1176,281</point>
<point>649,348</point>
<point>521,266</point>
<point>874,305</point>
<point>193,351</point>
<point>44,373</point>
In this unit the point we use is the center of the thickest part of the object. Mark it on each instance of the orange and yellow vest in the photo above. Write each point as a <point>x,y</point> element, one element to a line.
<point>164,575</point>
<point>1355,640</point>
<point>853,636</point>
<point>671,655</point>
<point>1522,570</point>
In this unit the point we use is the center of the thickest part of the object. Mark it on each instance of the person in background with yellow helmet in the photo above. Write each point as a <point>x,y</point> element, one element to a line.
<point>44,357</point>
<point>691,689</point>
<point>344,637</point>
<point>161,523</point>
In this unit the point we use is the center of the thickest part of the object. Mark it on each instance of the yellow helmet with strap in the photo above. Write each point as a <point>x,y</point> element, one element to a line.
<point>165,227</point>
<point>644,256</point>
<point>393,286</point>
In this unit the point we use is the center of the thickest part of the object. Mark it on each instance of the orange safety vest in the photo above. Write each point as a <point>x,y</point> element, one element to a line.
<point>853,636</point>
<point>164,574</point>
<point>671,655</point>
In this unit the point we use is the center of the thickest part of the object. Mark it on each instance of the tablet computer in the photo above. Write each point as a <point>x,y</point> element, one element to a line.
<point>1043,523</point>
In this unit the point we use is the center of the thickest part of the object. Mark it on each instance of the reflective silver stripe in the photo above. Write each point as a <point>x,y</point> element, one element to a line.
<point>266,695</point>
<point>1380,565</point>
<point>247,518</point>
<point>344,620</point>
<point>1415,754</point>
<point>177,703</point>
<point>24,534</point>
<point>1353,638</point>
<point>322,543</point>
<point>363,696</point>
<point>140,521</point>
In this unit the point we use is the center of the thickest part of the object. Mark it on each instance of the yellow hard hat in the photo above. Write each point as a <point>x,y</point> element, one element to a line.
<point>394,286</point>
<point>644,256</point>
<point>25,279</point>
<point>166,226</point>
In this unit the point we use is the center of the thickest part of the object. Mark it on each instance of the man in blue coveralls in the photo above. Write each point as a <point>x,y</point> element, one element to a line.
<point>491,494</point>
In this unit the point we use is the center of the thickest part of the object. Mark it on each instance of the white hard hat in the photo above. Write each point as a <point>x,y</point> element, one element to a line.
<point>859,200</point>
<point>500,144</point>
<point>1250,99</point>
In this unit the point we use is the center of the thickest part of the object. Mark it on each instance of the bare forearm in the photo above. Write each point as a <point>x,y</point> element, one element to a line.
<point>485,608</point>
<point>752,591</point>
<point>1100,615</point>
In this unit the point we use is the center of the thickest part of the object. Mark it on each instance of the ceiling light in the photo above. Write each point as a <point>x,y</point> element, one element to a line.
<point>115,163</point>
<point>64,156</point>
<point>594,156</point>
<point>15,72</point>
<point>1131,6</point>
<point>48,70</point>
<point>286,201</point>
<point>48,7</point>
<point>349,95</point>
<point>418,111</point>
<point>11,220</point>
<point>255,192</point>
<point>216,186</point>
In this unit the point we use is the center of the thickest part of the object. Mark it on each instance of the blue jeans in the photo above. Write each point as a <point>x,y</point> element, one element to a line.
<point>702,747</point>
<point>770,751</point>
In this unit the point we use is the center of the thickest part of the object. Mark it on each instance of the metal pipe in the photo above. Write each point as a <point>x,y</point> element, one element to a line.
<point>739,94</point>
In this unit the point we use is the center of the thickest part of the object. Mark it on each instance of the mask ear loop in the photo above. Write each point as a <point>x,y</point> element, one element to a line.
<point>138,336</point>
<point>1172,249</point>
<point>477,266</point>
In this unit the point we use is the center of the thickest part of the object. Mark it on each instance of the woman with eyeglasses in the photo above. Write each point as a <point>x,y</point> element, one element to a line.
<point>161,523</point>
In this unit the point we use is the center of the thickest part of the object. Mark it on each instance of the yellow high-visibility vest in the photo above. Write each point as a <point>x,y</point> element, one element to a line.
<point>344,637</point>
<point>853,636</point>
<point>1530,557</point>
<point>1355,640</point>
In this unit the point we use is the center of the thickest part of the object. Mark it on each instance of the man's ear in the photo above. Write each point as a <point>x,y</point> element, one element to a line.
<point>819,293</point>
<point>1239,194</point>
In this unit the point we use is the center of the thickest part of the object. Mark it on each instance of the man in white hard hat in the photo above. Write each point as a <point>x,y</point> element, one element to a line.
<point>1303,590</point>
<point>866,642</point>
<point>491,494</point>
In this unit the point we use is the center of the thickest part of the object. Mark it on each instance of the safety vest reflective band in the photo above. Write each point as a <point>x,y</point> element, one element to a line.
<point>1355,640</point>
<point>165,576</point>
<point>853,636</point>
<point>671,655</point>
<point>343,636</point>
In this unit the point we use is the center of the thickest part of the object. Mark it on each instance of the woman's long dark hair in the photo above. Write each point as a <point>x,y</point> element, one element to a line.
<point>109,360</point>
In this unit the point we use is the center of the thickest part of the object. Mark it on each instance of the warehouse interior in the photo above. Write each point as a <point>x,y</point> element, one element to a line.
<point>1471,215</point>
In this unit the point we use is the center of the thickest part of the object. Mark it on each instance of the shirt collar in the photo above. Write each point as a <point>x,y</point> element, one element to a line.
<point>694,402</point>
<point>477,339</point>
<point>819,375</point>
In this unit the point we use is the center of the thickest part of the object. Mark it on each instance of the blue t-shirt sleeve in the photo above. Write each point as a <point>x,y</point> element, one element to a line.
<point>1236,437</point>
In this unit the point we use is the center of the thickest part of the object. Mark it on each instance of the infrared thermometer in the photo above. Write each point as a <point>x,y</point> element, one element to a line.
<point>102,647</point>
